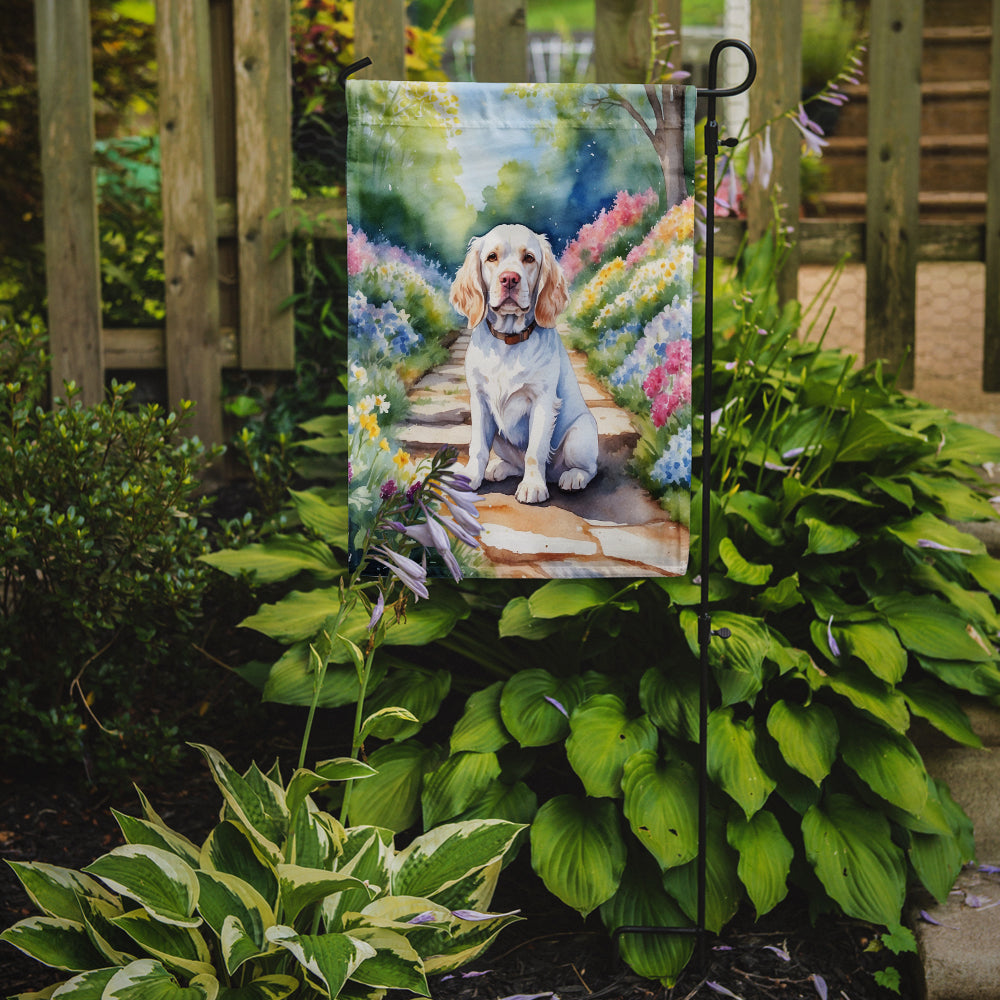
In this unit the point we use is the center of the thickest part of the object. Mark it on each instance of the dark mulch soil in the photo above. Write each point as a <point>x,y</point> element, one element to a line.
<point>550,952</point>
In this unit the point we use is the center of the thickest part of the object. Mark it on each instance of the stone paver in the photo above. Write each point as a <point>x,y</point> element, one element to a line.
<point>611,528</point>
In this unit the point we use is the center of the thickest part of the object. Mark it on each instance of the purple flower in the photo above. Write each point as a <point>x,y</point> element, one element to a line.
<point>927,543</point>
<point>350,471</point>
<point>431,535</point>
<point>811,132</point>
<point>377,612</point>
<point>820,983</point>
<point>412,490</point>
<point>761,163</point>
<point>475,915</point>
<point>427,917</point>
<point>834,648</point>
<point>387,489</point>
<point>558,705</point>
<point>412,575</point>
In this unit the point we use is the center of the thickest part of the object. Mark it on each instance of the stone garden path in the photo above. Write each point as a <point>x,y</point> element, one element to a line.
<point>611,528</point>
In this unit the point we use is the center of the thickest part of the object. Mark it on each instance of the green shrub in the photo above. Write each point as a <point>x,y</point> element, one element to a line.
<point>99,546</point>
<point>280,900</point>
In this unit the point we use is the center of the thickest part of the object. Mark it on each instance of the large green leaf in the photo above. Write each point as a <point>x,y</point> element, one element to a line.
<point>827,539</point>
<point>147,979</point>
<point>304,782</point>
<point>438,859</point>
<point>956,500</point>
<point>671,699</point>
<point>641,901</point>
<point>876,646</point>
<point>55,941</point>
<point>661,806</point>
<point>456,784</point>
<point>870,436</point>
<point>291,680</point>
<point>391,798</point>
<point>418,690</point>
<point>738,661</point>
<point>578,851</point>
<point>851,850</point>
<point>864,691</point>
<point>328,521</point>
<point>535,706</point>
<point>739,569</point>
<point>481,728</point>
<point>86,986</point>
<point>888,763</point>
<point>516,803</point>
<point>301,887</point>
<point>732,760</point>
<point>723,889</point>
<point>144,831</point>
<point>279,558</point>
<point>275,987</point>
<point>924,528</point>
<point>807,736</point>
<point>602,738</point>
<point>517,620</point>
<point>56,891</point>
<point>765,858</point>
<point>932,628</point>
<point>329,959</point>
<point>163,884</point>
<point>976,678</point>
<point>936,704</point>
<point>561,598</point>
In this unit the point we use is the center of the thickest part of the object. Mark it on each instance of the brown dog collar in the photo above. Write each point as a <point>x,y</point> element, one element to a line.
<point>513,338</point>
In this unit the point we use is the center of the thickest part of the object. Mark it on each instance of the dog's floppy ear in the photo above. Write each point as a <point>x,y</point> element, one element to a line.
<point>467,295</point>
<point>553,293</point>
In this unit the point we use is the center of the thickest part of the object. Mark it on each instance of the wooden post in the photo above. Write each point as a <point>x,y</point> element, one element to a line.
<point>380,34</point>
<point>991,333</point>
<point>776,35</point>
<point>72,255</point>
<point>621,40</point>
<point>893,183</point>
<point>262,60</point>
<point>501,41</point>
<point>190,253</point>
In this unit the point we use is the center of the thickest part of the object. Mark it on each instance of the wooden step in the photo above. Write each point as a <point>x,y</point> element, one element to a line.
<point>966,206</point>
<point>956,53</point>
<point>947,162</point>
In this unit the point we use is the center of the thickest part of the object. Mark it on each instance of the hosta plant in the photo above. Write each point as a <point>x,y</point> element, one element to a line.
<point>279,900</point>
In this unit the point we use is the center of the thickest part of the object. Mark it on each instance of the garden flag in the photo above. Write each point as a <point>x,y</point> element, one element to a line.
<point>520,262</point>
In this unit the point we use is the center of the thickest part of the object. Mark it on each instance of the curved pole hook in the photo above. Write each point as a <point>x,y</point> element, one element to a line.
<point>348,70</point>
<point>711,91</point>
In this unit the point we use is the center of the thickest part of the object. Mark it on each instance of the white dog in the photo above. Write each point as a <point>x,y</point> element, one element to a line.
<point>526,405</point>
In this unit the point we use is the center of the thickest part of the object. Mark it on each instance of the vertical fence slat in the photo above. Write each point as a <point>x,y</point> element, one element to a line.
<point>380,34</point>
<point>776,34</point>
<point>991,332</point>
<point>190,253</point>
<point>261,56</point>
<point>501,41</point>
<point>893,184</point>
<point>621,40</point>
<point>72,257</point>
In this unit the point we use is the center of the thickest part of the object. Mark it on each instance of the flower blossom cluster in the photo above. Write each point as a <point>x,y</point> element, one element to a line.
<point>593,239</point>
<point>379,331</point>
<point>668,386</point>
<point>363,253</point>
<point>673,467</point>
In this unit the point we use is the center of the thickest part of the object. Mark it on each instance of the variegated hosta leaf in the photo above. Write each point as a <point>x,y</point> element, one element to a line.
<point>467,941</point>
<point>224,898</point>
<point>661,800</point>
<point>732,760</point>
<point>158,880</point>
<point>367,853</point>
<point>300,887</point>
<point>807,736</point>
<point>304,782</point>
<point>149,980</point>
<point>116,946</point>
<point>141,831</point>
<point>475,891</point>
<point>851,849</point>
<point>275,987</point>
<point>177,947</point>
<point>55,941</point>
<point>230,849</point>
<point>328,959</point>
<point>481,727</point>
<point>441,857</point>
<point>256,801</point>
<point>578,851</point>
<point>86,986</point>
<point>56,891</point>
<point>456,784</point>
<point>765,858</point>
<point>395,964</point>
<point>315,838</point>
<point>602,737</point>
<point>642,902</point>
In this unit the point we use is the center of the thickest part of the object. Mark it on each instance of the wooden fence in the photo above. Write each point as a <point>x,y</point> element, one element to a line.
<point>226,161</point>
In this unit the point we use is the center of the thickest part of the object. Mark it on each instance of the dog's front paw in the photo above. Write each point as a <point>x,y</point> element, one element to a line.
<point>574,479</point>
<point>499,470</point>
<point>532,490</point>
